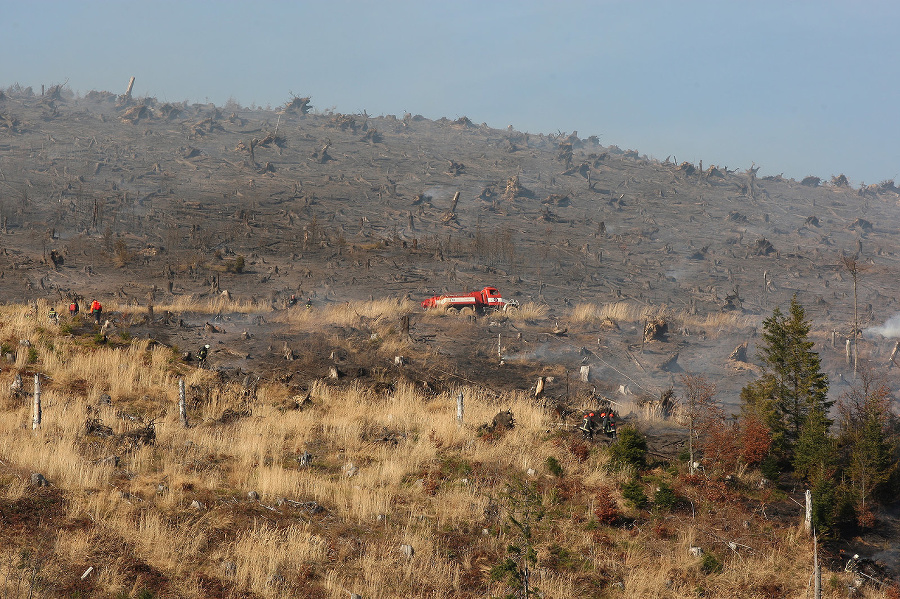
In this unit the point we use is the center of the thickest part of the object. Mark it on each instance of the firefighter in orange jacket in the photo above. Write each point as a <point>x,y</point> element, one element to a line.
<point>96,309</point>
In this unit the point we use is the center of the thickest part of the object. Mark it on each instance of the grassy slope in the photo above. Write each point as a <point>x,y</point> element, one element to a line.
<point>388,469</point>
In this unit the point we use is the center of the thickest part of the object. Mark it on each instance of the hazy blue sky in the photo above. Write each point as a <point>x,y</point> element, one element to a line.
<point>799,87</point>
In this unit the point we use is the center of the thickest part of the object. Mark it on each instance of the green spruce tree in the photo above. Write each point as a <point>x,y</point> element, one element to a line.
<point>814,455</point>
<point>793,384</point>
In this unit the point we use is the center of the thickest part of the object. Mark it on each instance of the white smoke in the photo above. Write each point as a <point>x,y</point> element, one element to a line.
<point>438,192</point>
<point>890,329</point>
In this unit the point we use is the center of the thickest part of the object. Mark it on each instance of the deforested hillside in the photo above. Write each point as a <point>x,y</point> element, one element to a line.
<point>339,440</point>
<point>153,202</point>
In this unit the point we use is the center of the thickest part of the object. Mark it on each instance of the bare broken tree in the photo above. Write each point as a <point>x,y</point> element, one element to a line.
<point>297,105</point>
<point>702,410</point>
<point>854,267</point>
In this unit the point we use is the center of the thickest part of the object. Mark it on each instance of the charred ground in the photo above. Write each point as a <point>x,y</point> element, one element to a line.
<point>143,197</point>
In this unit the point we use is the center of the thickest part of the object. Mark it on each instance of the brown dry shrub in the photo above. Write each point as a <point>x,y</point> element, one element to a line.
<point>569,488</point>
<point>755,441</point>
<point>580,450</point>
<point>865,518</point>
<point>606,509</point>
<point>717,491</point>
<point>661,531</point>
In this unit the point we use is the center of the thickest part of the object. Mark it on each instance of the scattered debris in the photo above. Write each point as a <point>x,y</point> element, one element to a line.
<point>134,439</point>
<point>11,124</point>
<point>134,114</point>
<point>740,353</point>
<point>95,426</point>
<point>671,364</point>
<point>712,172</point>
<point>372,136</point>
<point>322,156</point>
<point>811,181</point>
<point>861,224</point>
<point>559,331</point>
<point>297,105</point>
<point>762,247</point>
<point>514,189</point>
<point>868,571</point>
<point>840,181</point>
<point>732,302</point>
<point>503,421</point>
<point>656,330</point>
<point>661,408</point>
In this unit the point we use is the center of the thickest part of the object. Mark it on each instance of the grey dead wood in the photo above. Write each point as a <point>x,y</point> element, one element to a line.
<point>182,404</point>
<point>36,410</point>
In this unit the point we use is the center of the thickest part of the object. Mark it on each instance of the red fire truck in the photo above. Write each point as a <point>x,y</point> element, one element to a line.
<point>487,299</point>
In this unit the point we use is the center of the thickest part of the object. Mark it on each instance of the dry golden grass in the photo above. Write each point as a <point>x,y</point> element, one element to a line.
<point>350,314</point>
<point>528,312</point>
<point>627,311</point>
<point>618,311</point>
<point>213,304</point>
<point>388,469</point>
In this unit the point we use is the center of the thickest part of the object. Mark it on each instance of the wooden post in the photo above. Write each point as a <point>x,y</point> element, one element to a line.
<point>459,407</point>
<point>894,354</point>
<point>807,524</point>
<point>499,349</point>
<point>849,351</point>
<point>454,202</point>
<point>644,334</point>
<point>691,435</point>
<point>182,405</point>
<point>833,338</point>
<point>36,412</point>
<point>817,575</point>
<point>404,326</point>
<point>130,86</point>
<point>585,374</point>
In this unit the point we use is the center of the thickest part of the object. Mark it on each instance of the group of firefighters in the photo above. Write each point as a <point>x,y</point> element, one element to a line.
<point>602,420</point>
<point>97,311</point>
<point>293,302</point>
<point>74,309</point>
